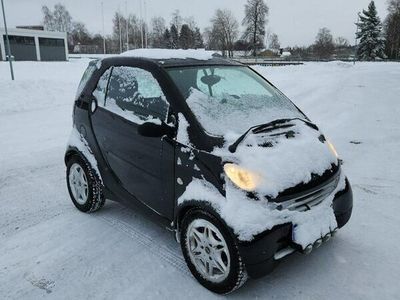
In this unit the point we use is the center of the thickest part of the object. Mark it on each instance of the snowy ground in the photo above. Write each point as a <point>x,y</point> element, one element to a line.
<point>50,250</point>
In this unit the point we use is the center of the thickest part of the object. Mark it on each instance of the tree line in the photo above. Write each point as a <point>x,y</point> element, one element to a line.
<point>376,39</point>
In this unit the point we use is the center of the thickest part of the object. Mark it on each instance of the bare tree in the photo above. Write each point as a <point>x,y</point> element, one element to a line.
<point>134,27</point>
<point>392,30</point>
<point>341,42</point>
<point>80,34</point>
<point>324,46</point>
<point>157,33</point>
<point>255,20</point>
<point>274,43</point>
<point>224,31</point>
<point>177,20</point>
<point>57,20</point>
<point>48,18</point>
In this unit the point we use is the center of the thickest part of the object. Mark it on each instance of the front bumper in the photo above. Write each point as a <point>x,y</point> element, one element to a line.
<point>264,252</point>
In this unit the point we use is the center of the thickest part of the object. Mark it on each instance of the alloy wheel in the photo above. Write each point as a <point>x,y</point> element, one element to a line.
<point>78,183</point>
<point>208,250</point>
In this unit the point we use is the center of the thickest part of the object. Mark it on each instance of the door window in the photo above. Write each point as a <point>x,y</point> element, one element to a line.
<point>85,78</point>
<point>100,92</point>
<point>135,95</point>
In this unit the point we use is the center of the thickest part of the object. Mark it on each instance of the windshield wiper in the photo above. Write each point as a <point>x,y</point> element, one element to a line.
<point>265,127</point>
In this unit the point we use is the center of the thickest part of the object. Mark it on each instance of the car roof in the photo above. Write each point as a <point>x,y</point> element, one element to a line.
<point>171,58</point>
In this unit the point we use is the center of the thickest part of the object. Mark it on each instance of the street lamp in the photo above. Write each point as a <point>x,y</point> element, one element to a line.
<point>8,49</point>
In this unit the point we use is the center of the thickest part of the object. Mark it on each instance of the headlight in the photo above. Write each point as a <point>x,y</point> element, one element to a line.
<point>332,148</point>
<point>242,178</point>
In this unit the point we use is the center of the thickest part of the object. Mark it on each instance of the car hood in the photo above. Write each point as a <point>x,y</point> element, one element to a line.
<point>283,157</point>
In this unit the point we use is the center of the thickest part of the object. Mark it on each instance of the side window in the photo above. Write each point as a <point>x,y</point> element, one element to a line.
<point>85,78</point>
<point>135,94</point>
<point>100,92</point>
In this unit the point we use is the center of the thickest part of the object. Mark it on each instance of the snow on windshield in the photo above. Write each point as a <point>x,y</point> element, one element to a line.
<point>229,99</point>
<point>235,115</point>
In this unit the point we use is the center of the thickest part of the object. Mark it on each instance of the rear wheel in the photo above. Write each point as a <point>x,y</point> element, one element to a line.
<point>84,185</point>
<point>211,253</point>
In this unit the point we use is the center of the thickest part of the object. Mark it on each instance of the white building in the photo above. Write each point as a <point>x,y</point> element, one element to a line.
<point>28,44</point>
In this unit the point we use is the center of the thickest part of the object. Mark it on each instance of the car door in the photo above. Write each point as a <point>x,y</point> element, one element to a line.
<point>127,98</point>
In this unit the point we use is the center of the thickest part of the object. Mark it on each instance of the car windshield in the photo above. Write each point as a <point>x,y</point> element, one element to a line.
<point>231,99</point>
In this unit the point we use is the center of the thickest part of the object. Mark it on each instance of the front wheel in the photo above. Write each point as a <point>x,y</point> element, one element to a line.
<point>84,185</point>
<point>211,253</point>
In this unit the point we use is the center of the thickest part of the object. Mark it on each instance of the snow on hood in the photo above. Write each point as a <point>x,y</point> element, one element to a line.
<point>199,54</point>
<point>248,217</point>
<point>283,158</point>
<point>283,162</point>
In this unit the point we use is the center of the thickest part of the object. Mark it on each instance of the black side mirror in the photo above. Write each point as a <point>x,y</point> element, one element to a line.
<point>150,129</point>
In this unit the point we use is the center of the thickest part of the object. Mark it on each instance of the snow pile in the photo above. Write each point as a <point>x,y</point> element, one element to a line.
<point>199,54</point>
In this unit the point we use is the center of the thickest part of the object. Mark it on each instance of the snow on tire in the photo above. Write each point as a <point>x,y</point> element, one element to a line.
<point>84,185</point>
<point>211,252</point>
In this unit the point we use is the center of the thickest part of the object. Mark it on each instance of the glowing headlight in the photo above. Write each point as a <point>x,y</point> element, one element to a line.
<point>242,178</point>
<point>332,148</point>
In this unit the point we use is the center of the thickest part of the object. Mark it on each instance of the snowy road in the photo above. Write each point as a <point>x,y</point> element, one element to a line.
<point>50,250</point>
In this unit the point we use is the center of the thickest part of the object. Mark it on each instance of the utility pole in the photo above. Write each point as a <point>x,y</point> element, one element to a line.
<point>104,35</point>
<point>141,23</point>
<point>356,40</point>
<point>145,20</point>
<point>127,25</point>
<point>120,31</point>
<point>8,49</point>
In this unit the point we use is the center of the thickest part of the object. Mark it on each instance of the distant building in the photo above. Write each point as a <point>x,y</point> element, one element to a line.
<point>32,44</point>
<point>32,27</point>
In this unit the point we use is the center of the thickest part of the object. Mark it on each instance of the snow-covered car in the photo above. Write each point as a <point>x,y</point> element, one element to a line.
<point>212,151</point>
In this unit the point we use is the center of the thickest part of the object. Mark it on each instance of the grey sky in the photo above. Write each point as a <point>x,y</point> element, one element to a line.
<point>296,22</point>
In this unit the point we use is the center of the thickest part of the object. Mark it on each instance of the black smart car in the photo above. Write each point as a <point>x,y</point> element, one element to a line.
<point>211,150</point>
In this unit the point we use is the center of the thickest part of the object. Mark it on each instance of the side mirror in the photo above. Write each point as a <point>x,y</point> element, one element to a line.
<point>150,129</point>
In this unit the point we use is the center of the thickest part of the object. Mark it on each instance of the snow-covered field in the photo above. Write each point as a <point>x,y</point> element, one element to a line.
<point>50,250</point>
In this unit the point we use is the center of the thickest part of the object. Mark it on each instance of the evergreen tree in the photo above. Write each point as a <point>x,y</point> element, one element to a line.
<point>167,40</point>
<point>198,39</point>
<point>186,37</point>
<point>157,33</point>
<point>372,44</point>
<point>174,37</point>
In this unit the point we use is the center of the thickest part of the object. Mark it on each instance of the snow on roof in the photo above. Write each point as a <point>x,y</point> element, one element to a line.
<point>200,54</point>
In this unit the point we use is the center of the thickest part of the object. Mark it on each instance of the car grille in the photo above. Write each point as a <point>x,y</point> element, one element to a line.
<point>310,199</point>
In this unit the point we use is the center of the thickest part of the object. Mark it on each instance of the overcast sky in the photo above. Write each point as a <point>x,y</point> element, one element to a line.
<point>296,22</point>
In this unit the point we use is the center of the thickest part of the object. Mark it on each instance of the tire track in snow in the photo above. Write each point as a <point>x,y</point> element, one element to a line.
<point>152,245</point>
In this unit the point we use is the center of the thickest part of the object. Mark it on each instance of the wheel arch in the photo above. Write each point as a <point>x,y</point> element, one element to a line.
<point>187,206</point>
<point>71,152</point>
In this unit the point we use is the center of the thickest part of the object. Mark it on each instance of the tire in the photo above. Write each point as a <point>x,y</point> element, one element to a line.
<point>92,199</point>
<point>220,250</point>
